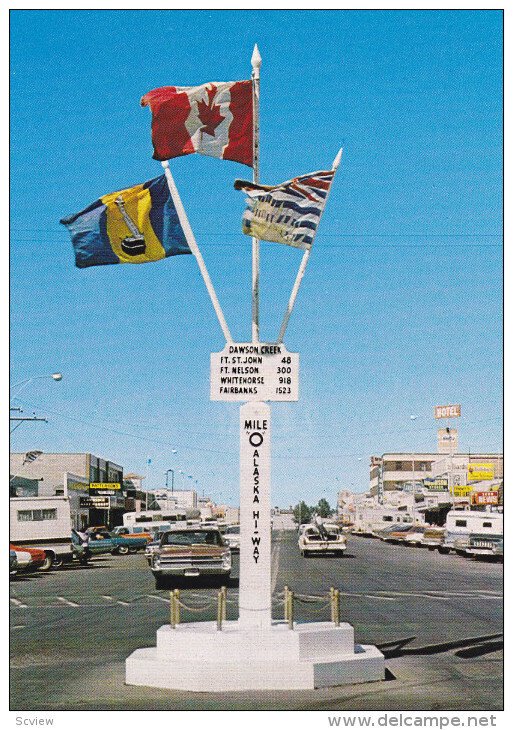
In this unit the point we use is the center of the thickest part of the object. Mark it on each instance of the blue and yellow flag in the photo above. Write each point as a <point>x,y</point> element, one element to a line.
<point>132,226</point>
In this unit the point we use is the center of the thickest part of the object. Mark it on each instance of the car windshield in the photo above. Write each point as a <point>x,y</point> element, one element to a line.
<point>233,530</point>
<point>192,537</point>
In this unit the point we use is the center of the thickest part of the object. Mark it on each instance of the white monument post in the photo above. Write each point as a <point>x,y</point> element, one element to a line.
<point>255,516</point>
<point>253,652</point>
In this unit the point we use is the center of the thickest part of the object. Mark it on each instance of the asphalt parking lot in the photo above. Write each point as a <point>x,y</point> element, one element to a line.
<point>437,618</point>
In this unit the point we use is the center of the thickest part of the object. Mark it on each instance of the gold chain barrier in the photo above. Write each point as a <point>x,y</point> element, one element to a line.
<point>289,598</point>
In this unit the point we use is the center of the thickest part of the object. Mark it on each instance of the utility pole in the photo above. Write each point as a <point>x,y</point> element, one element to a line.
<point>21,419</point>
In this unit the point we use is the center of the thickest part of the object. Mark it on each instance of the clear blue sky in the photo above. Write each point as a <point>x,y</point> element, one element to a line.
<point>401,306</point>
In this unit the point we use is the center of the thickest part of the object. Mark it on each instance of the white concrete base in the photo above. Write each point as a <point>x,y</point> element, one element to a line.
<point>198,658</point>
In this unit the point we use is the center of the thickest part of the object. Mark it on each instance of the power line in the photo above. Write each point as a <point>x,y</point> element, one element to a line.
<point>325,234</point>
<point>153,440</point>
<point>224,244</point>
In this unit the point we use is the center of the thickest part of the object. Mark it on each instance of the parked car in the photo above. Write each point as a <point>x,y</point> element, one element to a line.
<point>138,532</point>
<point>13,562</point>
<point>321,539</point>
<point>131,542</point>
<point>433,537</point>
<point>232,538</point>
<point>38,557</point>
<point>414,536</point>
<point>152,547</point>
<point>498,549</point>
<point>23,559</point>
<point>383,531</point>
<point>397,535</point>
<point>482,545</point>
<point>103,541</point>
<point>191,552</point>
<point>460,545</point>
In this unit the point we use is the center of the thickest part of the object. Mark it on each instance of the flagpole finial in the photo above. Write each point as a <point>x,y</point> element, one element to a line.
<point>256,58</point>
<point>336,161</point>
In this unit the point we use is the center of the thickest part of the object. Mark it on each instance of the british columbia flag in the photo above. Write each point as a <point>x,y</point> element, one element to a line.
<point>288,213</point>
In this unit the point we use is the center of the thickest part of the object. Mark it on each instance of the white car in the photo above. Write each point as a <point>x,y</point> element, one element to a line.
<point>232,537</point>
<point>23,559</point>
<point>414,537</point>
<point>321,539</point>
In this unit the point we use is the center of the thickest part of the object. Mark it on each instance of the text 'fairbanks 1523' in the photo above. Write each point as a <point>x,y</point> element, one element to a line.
<point>256,371</point>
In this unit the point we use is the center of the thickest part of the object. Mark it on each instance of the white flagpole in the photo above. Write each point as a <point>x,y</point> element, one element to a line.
<point>191,241</point>
<point>256,62</point>
<point>302,266</point>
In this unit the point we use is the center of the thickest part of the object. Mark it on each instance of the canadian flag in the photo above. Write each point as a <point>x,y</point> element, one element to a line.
<point>214,119</point>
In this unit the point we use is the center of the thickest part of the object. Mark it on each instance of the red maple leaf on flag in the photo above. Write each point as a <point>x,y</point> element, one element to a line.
<point>209,113</point>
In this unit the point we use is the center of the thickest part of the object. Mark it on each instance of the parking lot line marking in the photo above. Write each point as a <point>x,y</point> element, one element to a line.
<point>18,603</point>
<point>21,626</point>
<point>66,602</point>
<point>380,598</point>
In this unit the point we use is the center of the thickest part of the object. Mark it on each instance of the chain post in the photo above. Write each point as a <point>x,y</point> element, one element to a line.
<point>176,593</point>
<point>223,591</point>
<point>220,610</point>
<point>332,603</point>
<point>337,608</point>
<point>286,602</point>
<point>172,609</point>
<point>291,609</point>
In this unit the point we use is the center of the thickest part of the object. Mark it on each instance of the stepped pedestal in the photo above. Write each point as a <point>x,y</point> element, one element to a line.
<point>198,658</point>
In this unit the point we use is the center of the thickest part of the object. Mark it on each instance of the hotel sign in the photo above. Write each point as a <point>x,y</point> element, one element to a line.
<point>451,411</point>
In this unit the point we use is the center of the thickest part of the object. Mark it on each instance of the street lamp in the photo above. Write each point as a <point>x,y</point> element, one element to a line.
<point>23,383</point>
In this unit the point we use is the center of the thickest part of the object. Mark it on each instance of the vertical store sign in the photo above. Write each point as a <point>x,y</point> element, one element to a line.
<point>255,516</point>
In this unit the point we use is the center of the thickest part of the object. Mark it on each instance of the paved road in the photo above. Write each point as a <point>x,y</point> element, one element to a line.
<point>72,629</point>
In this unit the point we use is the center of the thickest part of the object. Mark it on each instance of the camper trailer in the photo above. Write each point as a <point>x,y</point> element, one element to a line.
<point>485,529</point>
<point>42,522</point>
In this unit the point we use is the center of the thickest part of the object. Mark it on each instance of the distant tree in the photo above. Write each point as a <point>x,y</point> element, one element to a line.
<point>323,508</point>
<point>302,513</point>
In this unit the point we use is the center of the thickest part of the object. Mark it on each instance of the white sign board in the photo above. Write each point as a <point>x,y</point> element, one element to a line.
<point>254,371</point>
<point>447,440</point>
